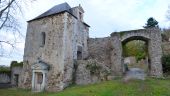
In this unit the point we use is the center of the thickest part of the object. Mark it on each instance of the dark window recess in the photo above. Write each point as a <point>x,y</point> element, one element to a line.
<point>79,53</point>
<point>16,79</point>
<point>80,15</point>
<point>39,78</point>
<point>43,37</point>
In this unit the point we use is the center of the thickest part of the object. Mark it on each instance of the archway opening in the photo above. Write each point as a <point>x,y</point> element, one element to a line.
<point>136,53</point>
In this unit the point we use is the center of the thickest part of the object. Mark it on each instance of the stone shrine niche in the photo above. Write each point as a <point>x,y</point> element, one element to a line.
<point>39,71</point>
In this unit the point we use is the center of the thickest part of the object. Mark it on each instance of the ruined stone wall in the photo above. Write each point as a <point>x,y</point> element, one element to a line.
<point>15,71</point>
<point>108,51</point>
<point>91,71</point>
<point>68,48</point>
<point>153,38</point>
<point>99,49</point>
<point>52,52</point>
<point>75,34</point>
<point>96,67</point>
<point>5,78</point>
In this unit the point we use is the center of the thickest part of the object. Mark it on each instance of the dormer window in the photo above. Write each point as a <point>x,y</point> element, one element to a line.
<point>80,16</point>
<point>43,37</point>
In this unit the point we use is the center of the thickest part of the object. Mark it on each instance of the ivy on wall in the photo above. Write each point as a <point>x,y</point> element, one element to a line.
<point>16,64</point>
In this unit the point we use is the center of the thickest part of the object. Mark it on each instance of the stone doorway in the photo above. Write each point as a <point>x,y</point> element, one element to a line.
<point>16,79</point>
<point>39,76</point>
<point>38,81</point>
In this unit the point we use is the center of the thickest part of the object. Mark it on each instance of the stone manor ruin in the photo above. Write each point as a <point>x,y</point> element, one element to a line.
<point>59,52</point>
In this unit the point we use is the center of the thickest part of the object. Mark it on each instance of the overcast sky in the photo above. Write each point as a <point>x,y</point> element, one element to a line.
<point>104,17</point>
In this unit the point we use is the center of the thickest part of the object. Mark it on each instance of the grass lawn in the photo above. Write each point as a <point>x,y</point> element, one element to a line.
<point>149,87</point>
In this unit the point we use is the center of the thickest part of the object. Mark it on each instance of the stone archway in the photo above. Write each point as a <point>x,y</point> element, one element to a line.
<point>151,36</point>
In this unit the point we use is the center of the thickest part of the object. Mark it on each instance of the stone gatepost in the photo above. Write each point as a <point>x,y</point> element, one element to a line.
<point>155,52</point>
<point>116,55</point>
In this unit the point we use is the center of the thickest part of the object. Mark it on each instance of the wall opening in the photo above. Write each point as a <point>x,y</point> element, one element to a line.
<point>43,38</point>
<point>16,79</point>
<point>135,53</point>
<point>79,53</point>
<point>80,16</point>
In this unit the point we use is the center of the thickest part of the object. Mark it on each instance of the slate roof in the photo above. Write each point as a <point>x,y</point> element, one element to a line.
<point>64,7</point>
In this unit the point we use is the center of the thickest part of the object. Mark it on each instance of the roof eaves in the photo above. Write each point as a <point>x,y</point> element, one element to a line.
<point>86,24</point>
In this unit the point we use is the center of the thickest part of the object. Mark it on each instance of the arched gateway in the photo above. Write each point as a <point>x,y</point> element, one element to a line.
<point>153,39</point>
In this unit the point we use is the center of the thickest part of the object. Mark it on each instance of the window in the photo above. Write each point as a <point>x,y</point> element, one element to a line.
<point>43,37</point>
<point>80,15</point>
<point>79,53</point>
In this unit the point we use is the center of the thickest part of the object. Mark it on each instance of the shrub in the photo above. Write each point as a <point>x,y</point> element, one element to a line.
<point>94,68</point>
<point>166,63</point>
<point>16,64</point>
<point>5,70</point>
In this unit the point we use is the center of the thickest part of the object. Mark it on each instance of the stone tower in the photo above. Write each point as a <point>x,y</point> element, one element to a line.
<point>54,41</point>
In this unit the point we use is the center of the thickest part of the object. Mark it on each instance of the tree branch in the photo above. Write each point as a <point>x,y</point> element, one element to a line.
<point>6,18</point>
<point>9,4</point>
<point>7,42</point>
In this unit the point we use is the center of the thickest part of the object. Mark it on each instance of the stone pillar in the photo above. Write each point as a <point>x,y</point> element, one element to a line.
<point>116,54</point>
<point>43,82</point>
<point>33,80</point>
<point>155,53</point>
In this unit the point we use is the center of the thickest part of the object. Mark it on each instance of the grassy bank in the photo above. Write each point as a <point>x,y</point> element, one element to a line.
<point>149,87</point>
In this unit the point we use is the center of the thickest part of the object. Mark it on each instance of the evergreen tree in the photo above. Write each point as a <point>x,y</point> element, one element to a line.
<point>151,22</point>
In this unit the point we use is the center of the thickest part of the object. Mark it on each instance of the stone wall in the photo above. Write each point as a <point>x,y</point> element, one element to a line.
<point>75,35</point>
<point>91,71</point>
<point>108,51</point>
<point>15,75</point>
<point>5,78</point>
<point>99,49</point>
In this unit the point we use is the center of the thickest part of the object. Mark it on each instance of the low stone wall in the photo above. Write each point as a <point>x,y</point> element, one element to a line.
<point>4,78</point>
<point>91,71</point>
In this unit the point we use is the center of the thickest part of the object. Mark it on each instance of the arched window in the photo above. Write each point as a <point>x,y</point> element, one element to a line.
<point>43,37</point>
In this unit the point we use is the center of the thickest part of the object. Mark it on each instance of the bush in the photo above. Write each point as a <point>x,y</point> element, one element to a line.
<point>5,70</point>
<point>166,63</point>
<point>94,68</point>
<point>16,64</point>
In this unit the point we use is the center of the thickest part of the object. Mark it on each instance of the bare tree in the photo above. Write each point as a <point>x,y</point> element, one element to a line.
<point>8,21</point>
<point>10,11</point>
